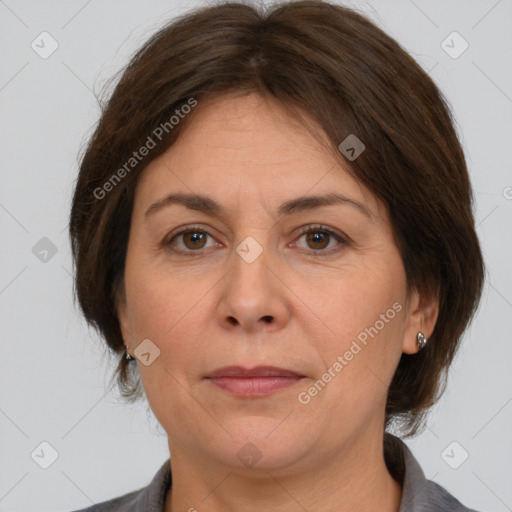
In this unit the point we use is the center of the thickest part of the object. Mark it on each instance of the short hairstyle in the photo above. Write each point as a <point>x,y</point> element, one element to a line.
<point>326,64</point>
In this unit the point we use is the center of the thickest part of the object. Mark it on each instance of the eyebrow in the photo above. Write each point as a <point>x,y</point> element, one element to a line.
<point>293,206</point>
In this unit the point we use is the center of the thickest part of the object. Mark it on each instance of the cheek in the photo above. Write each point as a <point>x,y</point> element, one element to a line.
<point>161,312</point>
<point>158,300</point>
<point>366,315</point>
<point>361,295</point>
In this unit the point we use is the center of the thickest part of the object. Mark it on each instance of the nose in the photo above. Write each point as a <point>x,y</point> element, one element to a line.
<point>254,296</point>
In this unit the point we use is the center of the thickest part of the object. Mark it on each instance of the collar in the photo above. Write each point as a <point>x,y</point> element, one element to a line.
<point>418,493</point>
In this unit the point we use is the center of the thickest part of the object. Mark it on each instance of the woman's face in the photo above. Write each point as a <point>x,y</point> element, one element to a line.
<point>246,287</point>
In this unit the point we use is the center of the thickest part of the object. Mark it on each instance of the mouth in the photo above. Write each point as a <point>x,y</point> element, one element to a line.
<point>255,382</point>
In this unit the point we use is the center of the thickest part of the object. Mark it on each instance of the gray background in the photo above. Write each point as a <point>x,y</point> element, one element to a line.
<point>54,373</point>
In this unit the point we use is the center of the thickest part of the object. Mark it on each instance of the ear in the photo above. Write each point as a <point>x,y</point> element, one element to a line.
<point>122,314</point>
<point>422,313</point>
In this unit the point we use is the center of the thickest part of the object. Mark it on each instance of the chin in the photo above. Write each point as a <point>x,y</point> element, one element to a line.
<point>262,443</point>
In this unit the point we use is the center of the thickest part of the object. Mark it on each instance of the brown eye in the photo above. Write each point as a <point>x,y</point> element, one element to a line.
<point>194,239</point>
<point>318,239</point>
<point>188,240</point>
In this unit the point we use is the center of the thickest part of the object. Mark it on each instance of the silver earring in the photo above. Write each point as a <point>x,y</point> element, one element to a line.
<point>127,355</point>
<point>421,340</point>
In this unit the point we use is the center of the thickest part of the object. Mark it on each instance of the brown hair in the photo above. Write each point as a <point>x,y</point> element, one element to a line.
<point>324,63</point>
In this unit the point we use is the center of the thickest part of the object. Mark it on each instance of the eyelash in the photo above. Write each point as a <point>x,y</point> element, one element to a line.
<point>303,231</point>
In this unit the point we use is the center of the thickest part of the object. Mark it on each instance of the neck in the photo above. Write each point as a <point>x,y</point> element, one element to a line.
<point>356,478</point>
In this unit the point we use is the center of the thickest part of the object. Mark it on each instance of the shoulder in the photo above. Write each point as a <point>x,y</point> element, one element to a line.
<point>418,493</point>
<point>125,503</point>
<point>146,499</point>
<point>435,497</point>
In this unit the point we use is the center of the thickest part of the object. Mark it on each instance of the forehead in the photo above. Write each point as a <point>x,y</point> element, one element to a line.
<point>248,129</point>
<point>250,146</point>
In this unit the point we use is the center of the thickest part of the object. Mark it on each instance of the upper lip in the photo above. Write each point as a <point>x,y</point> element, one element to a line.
<point>257,371</point>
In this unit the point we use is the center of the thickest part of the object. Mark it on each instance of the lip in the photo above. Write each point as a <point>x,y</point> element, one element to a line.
<point>257,371</point>
<point>254,382</point>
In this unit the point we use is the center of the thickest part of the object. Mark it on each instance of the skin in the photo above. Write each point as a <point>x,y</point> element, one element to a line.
<point>291,308</point>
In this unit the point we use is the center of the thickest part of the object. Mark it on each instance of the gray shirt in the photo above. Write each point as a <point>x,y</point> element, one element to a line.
<point>419,494</point>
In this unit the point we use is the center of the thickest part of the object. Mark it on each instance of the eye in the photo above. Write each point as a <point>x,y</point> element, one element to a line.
<point>193,240</point>
<point>318,238</point>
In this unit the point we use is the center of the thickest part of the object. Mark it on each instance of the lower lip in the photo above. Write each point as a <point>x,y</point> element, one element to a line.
<point>246,387</point>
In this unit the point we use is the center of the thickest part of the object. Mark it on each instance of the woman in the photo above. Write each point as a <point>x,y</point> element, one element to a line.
<point>272,226</point>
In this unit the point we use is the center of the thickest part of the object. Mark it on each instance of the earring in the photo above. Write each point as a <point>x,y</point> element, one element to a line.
<point>127,355</point>
<point>421,340</point>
